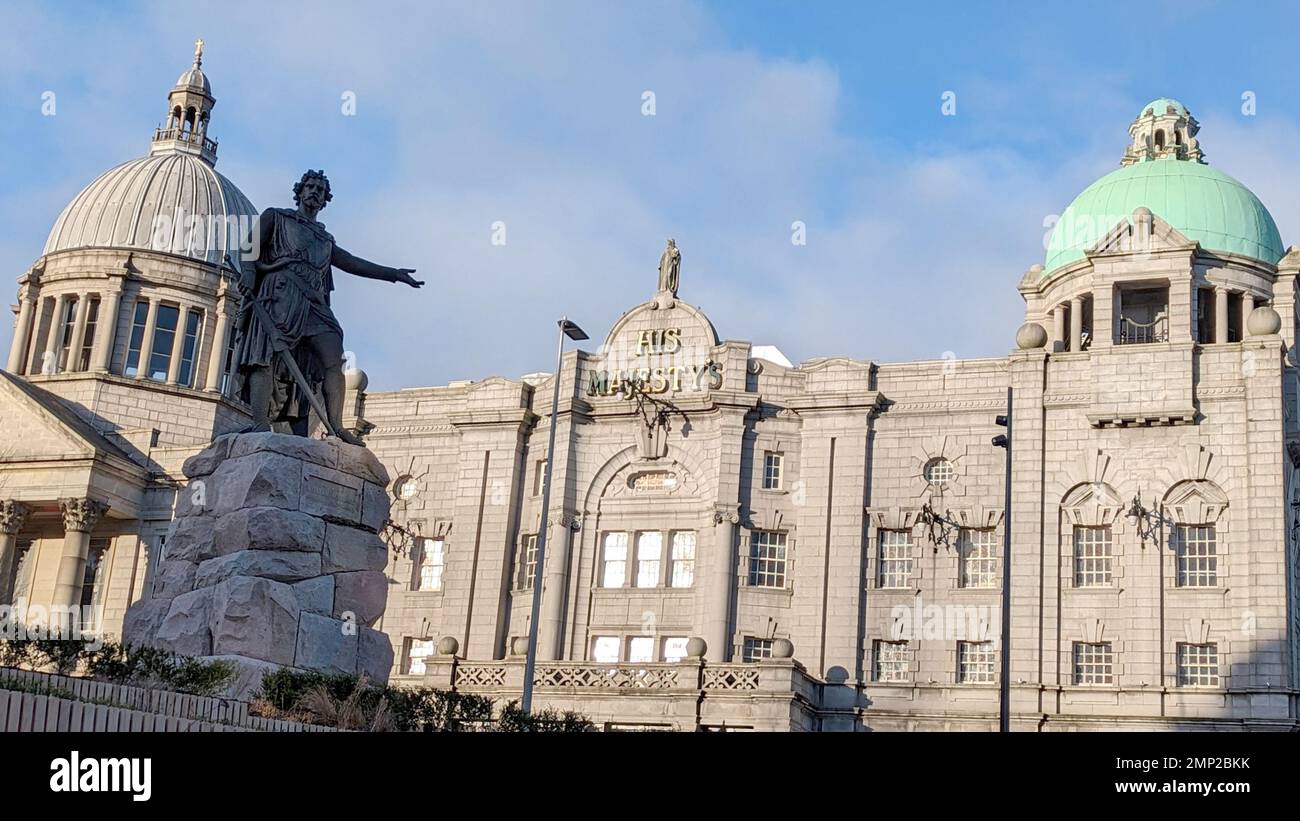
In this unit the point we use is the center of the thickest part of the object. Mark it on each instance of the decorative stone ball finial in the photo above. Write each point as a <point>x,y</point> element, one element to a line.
<point>519,646</point>
<point>696,647</point>
<point>1031,336</point>
<point>448,646</point>
<point>782,649</point>
<point>355,379</point>
<point>1263,321</point>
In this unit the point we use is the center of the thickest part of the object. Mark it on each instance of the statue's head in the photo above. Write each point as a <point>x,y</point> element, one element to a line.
<point>313,189</point>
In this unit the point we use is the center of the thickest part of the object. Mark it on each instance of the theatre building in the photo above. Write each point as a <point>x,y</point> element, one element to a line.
<point>734,541</point>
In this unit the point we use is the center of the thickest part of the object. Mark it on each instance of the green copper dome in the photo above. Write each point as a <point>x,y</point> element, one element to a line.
<point>1203,204</point>
<point>1161,106</point>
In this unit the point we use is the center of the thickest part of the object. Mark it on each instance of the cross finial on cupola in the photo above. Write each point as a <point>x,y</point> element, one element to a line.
<point>198,53</point>
<point>1163,130</point>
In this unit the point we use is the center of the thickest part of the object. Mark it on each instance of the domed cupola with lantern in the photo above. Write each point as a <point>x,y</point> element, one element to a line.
<point>1166,253</point>
<point>132,293</point>
<point>119,366</point>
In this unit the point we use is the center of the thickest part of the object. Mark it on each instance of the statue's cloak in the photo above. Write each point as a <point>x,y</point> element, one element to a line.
<point>293,282</point>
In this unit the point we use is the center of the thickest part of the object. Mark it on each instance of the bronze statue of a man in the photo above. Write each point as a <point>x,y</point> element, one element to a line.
<point>291,282</point>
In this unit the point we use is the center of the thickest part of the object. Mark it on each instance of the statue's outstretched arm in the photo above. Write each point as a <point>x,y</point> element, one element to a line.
<point>372,270</point>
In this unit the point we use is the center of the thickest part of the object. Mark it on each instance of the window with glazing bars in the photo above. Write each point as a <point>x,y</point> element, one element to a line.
<point>649,552</point>
<point>895,564</point>
<point>614,572</point>
<point>82,358</point>
<point>1093,663</point>
<point>417,650</point>
<point>893,660</point>
<point>139,318</point>
<point>189,348</point>
<point>772,468</point>
<point>756,649</point>
<point>431,565</point>
<point>975,662</point>
<point>528,567</point>
<point>166,326</point>
<point>1198,665</point>
<point>979,558</point>
<point>767,559</point>
<point>1092,556</point>
<point>683,559</point>
<point>1196,557</point>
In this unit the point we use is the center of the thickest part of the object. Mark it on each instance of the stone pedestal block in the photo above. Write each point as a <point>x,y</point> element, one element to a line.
<point>274,560</point>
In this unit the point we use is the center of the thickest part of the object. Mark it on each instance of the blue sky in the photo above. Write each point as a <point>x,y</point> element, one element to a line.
<point>919,225</point>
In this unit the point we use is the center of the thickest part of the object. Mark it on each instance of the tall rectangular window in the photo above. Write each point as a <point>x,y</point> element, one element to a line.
<point>528,563</point>
<point>767,559</point>
<point>1093,663</point>
<point>417,650</point>
<point>649,554</point>
<point>193,324</point>
<point>773,463</point>
<point>229,367</point>
<point>604,649</point>
<point>641,649</point>
<point>979,558</point>
<point>892,661</point>
<point>67,322</point>
<point>614,571</point>
<point>683,559</point>
<point>1196,556</point>
<point>430,566</point>
<point>82,360</point>
<point>756,649</point>
<point>1092,556</point>
<point>1198,665</point>
<point>975,662</point>
<point>539,477</point>
<point>139,317</point>
<point>895,558</point>
<point>164,336</point>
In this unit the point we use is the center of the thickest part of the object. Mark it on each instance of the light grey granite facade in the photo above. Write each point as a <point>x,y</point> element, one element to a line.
<point>736,542</point>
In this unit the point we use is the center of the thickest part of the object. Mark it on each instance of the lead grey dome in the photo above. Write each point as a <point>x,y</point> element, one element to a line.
<point>194,78</point>
<point>160,195</point>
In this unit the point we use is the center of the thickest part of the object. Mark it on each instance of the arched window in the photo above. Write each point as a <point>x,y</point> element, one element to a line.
<point>1160,139</point>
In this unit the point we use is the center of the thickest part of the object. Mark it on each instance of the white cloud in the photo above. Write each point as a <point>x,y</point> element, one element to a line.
<point>530,114</point>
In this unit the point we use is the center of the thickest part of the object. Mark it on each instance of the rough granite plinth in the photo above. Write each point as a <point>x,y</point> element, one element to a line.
<point>274,560</point>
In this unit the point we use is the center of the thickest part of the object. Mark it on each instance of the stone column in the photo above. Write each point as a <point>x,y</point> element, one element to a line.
<point>146,344</point>
<point>559,543</point>
<point>106,329</point>
<point>1247,305</point>
<point>1221,314</point>
<point>217,351</point>
<point>22,332</point>
<point>1034,593</point>
<point>1284,300</point>
<point>1058,327</point>
<point>79,332</point>
<point>52,339</point>
<point>80,515</point>
<point>178,346</point>
<point>722,570</point>
<point>1076,323</point>
<point>13,515</point>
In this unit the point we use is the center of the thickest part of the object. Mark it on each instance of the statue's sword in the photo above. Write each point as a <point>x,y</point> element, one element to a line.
<point>286,356</point>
